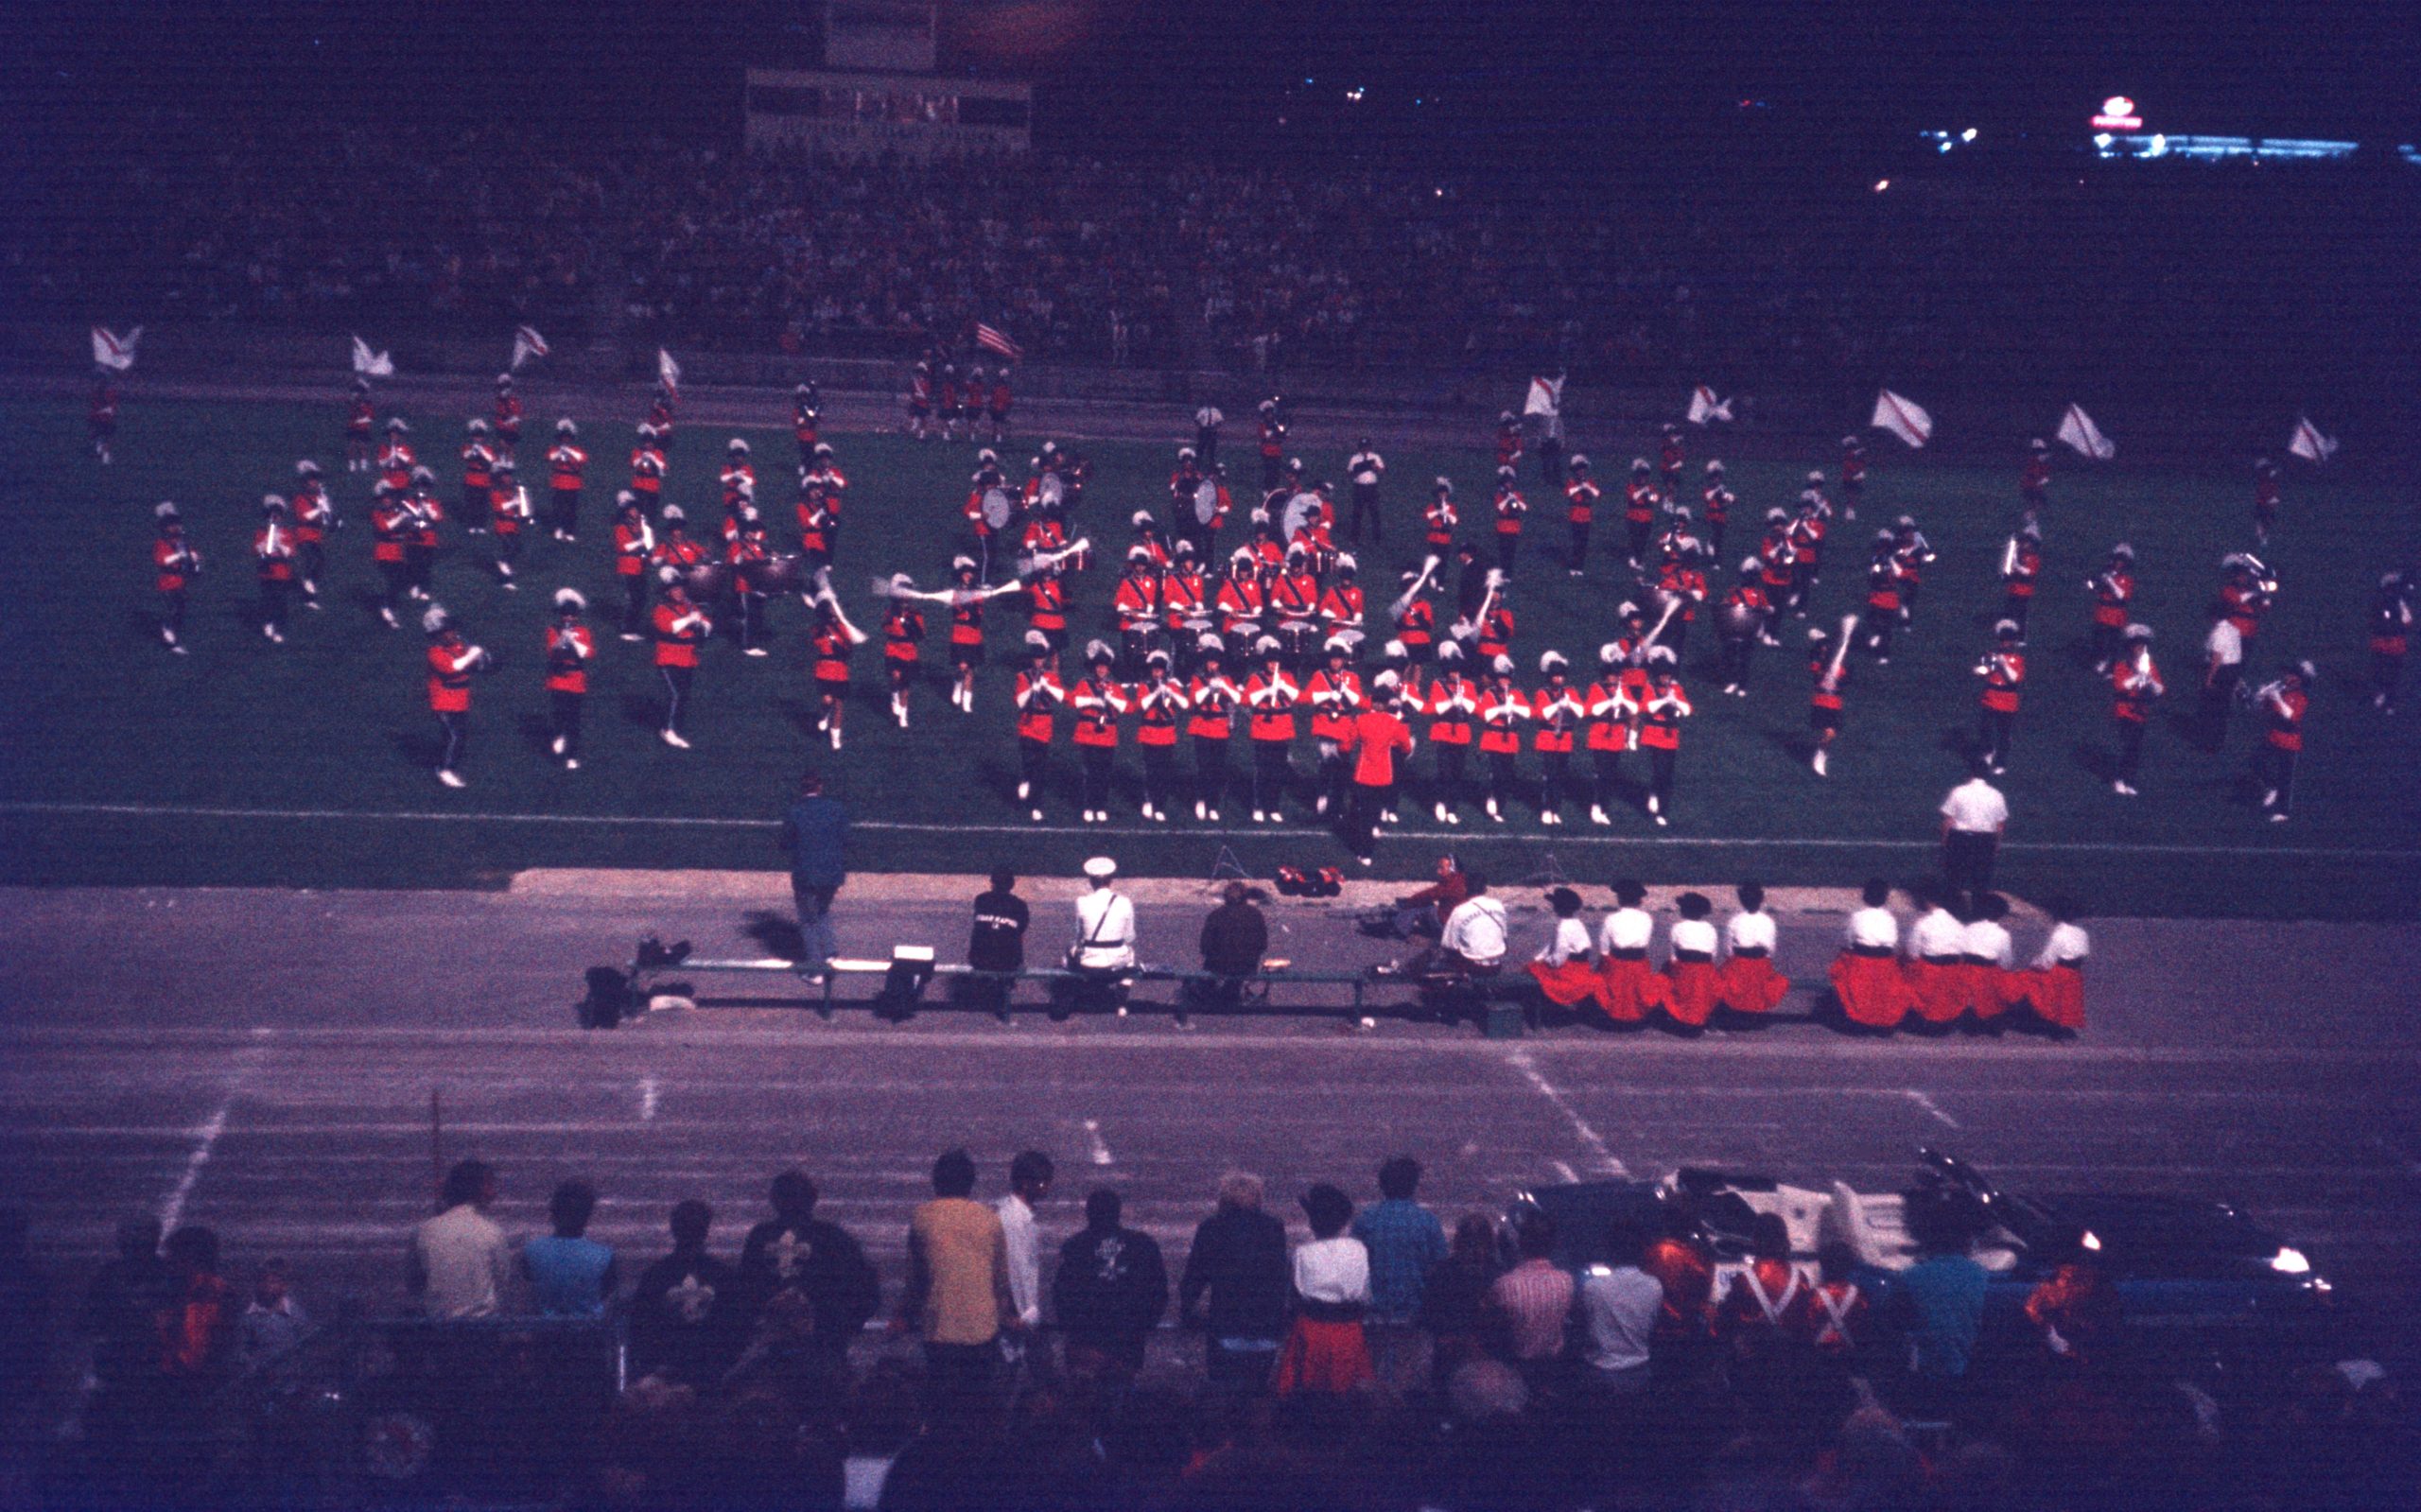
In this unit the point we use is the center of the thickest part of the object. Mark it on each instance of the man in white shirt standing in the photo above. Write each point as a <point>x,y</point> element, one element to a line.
<point>1973,816</point>
<point>460,1265</point>
<point>1029,1177</point>
<point>1365,468</point>
<point>1105,946</point>
<point>2222,664</point>
<point>1619,1307</point>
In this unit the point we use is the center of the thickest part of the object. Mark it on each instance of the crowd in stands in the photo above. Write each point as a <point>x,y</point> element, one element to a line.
<point>1377,1362</point>
<point>1154,264</point>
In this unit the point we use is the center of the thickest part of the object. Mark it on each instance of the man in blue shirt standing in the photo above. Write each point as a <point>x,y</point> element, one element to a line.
<point>816,834</point>
<point>1404,1240</point>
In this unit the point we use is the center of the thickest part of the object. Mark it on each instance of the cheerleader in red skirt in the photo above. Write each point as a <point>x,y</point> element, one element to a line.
<point>1693,986</point>
<point>1992,985</point>
<point>2055,986</point>
<point>1565,970</point>
<point>1937,963</point>
<point>1632,989</point>
<point>1750,986</point>
<point>1866,975</point>
<point>1325,1349</point>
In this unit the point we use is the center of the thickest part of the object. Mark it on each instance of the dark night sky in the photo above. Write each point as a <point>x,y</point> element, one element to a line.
<point>1153,72</point>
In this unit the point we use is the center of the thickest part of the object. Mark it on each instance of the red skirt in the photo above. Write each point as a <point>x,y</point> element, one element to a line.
<point>1871,989</point>
<point>1632,990</point>
<point>1751,985</point>
<point>1993,989</point>
<point>2058,995</point>
<point>1691,990</point>
<point>1940,989</point>
<point>1570,985</point>
<point>1329,1357</point>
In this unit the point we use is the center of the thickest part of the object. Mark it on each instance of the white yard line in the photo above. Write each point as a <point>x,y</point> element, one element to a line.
<point>1093,1138</point>
<point>1130,832</point>
<point>1927,1103</point>
<point>206,1139</point>
<point>649,1095</point>
<point>1522,1062</point>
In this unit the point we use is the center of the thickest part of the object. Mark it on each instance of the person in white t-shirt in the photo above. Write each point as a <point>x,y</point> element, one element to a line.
<point>1029,1177</point>
<point>1105,947</point>
<point>1326,1350</point>
<point>1974,815</point>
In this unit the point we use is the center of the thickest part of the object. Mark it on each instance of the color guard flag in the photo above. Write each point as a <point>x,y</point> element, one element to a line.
<point>1902,418</point>
<point>112,350</point>
<point>1704,406</point>
<point>1545,398</point>
<point>668,371</point>
<point>2309,445</point>
<point>371,364</point>
<point>2077,430</point>
<point>994,340</point>
<point>527,343</point>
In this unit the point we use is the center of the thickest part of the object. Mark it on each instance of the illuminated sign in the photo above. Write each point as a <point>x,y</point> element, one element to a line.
<point>2117,114</point>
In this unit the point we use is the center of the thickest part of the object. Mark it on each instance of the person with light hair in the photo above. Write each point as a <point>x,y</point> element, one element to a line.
<point>1235,1286</point>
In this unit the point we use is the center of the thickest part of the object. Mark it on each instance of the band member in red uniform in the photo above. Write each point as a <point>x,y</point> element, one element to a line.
<point>1039,696</point>
<point>391,530</point>
<point>807,418</point>
<point>1807,530</point>
<point>1098,699</point>
<point>1509,506</point>
<point>420,548</point>
<point>1376,739</point>
<point>395,457</point>
<point>903,633</point>
<point>1273,444</point>
<point>1416,628</point>
<point>2391,632</point>
<point>658,424</point>
<point>479,477</point>
<point>1159,703</point>
<point>1831,670</point>
<point>1495,629</point>
<point>633,545</point>
<point>451,661</point>
<point>101,418</point>
<point>1777,568</point>
<point>2134,682</point>
<point>2265,501</point>
<point>1559,710</point>
<point>508,512</point>
<point>1914,554</point>
<point>1853,476</point>
<point>1640,504</point>
<point>1716,501</point>
<point>2281,704</point>
<point>1046,606</point>
<point>1661,714</point>
<point>507,415</point>
<point>827,650</point>
<point>1741,624</point>
<point>2003,671</point>
<point>1185,604</point>
<point>1503,710</point>
<point>567,464</point>
<point>738,475</point>
<point>1682,578</point>
<point>1212,698</point>
<point>647,472</point>
<point>174,562</point>
<point>1136,605</point>
<point>2034,479</point>
<point>1438,518</point>
<point>1581,494</point>
<point>1612,713</point>
<point>921,398</point>
<point>1343,604</point>
<point>680,627</point>
<point>750,555</point>
<point>1451,701</point>
<point>967,596</point>
<point>675,550</point>
<point>2113,590</point>
<point>273,550</point>
<point>2247,595</point>
<point>2021,566</point>
<point>361,416</point>
<point>1270,698</point>
<point>314,517</point>
<point>569,649</point>
<point>1508,439</point>
<point>996,405</point>
<point>1335,695</point>
<point>1882,612</point>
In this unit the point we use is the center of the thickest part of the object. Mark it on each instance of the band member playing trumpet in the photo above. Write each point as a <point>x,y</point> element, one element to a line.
<point>451,661</point>
<point>1335,695</point>
<point>569,649</point>
<point>829,647</point>
<point>2134,682</point>
<point>2391,632</point>
<point>1159,702</point>
<point>2281,703</point>
<point>680,627</point>
<point>1503,710</point>
<point>1613,712</point>
<point>2113,590</point>
<point>2003,671</point>
<point>1580,497</point>
<point>1560,711</point>
<point>508,512</point>
<point>1270,698</point>
<point>1098,699</point>
<point>273,550</point>
<point>174,562</point>
<point>315,515</point>
<point>1038,695</point>
<point>1452,701</point>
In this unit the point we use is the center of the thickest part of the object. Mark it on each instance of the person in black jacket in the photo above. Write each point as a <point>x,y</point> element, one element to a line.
<point>808,1286</point>
<point>996,941</point>
<point>1235,1287</point>
<point>682,1314</point>
<point>1234,938</point>
<point>1109,1292</point>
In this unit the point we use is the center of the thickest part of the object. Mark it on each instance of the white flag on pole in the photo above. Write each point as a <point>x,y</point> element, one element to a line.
<point>2077,430</point>
<point>112,350</point>
<point>668,370</point>
<point>527,343</point>
<point>1545,398</point>
<point>1705,407</point>
<point>371,364</point>
<point>1902,418</point>
<point>2309,445</point>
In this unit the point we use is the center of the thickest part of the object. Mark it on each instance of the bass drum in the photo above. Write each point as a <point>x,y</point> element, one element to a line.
<point>782,574</point>
<point>1300,512</point>
<point>1736,621</point>
<point>998,508</point>
<point>1206,502</point>
<point>707,581</point>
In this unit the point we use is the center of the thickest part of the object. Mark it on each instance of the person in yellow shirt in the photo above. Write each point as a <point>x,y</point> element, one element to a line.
<point>958,1289</point>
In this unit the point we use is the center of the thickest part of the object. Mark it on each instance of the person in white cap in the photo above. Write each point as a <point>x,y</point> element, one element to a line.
<point>1105,930</point>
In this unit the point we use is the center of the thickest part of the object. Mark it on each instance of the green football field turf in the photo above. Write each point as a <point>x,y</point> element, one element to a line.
<point>309,764</point>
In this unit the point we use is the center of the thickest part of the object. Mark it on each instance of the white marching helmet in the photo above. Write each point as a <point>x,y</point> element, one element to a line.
<point>1502,666</point>
<point>436,621</point>
<point>737,445</point>
<point>1037,641</point>
<point>1209,645</point>
<point>1609,654</point>
<point>570,601</point>
<point>962,564</point>
<point>165,510</point>
<point>1661,656</point>
<point>1444,485</point>
<point>1267,646</point>
<point>1450,651</point>
<point>565,427</point>
<point>1098,651</point>
<point>672,514</point>
<point>1552,662</point>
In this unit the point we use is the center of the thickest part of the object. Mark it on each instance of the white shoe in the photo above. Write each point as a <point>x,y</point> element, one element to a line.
<point>556,745</point>
<point>2122,790</point>
<point>1654,805</point>
<point>753,650</point>
<point>1201,810</point>
<point>2277,819</point>
<point>1819,762</point>
<point>1661,821</point>
<point>627,635</point>
<point>176,647</point>
<point>389,615</point>
<point>1440,810</point>
<point>1387,816</point>
<point>1034,814</point>
<point>1025,790</point>
<point>1260,816</point>
<point>673,738</point>
<point>969,702</point>
<point>270,631</point>
<point>1121,1010</point>
<point>1597,814</point>
<point>1732,687</point>
<point>836,738</point>
<point>1546,816</point>
<point>1215,816</point>
<point>451,779</point>
<point>1278,816</point>
<point>1147,811</point>
<point>2270,798</point>
<point>1159,816</point>
<point>509,586</point>
<point>1454,816</point>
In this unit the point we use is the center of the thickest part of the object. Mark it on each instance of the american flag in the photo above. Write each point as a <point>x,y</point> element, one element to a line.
<point>997,341</point>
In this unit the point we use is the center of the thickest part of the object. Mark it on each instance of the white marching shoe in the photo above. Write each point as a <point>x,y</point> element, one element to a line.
<point>1819,761</point>
<point>450,777</point>
<point>556,745</point>
<point>1597,814</point>
<point>673,738</point>
<point>1025,790</point>
<point>1201,810</point>
<point>836,738</point>
<point>1439,812</point>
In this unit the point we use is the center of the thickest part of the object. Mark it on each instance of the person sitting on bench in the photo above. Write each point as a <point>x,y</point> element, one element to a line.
<point>1234,937</point>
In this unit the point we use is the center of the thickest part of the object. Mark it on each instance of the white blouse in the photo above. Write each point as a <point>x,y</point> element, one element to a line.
<point>1332,1270</point>
<point>1874,928</point>
<point>1751,931</point>
<point>1627,929</point>
<point>1570,943</point>
<point>1695,936</point>
<point>1936,933</point>
<point>2069,946</point>
<point>1986,940</point>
